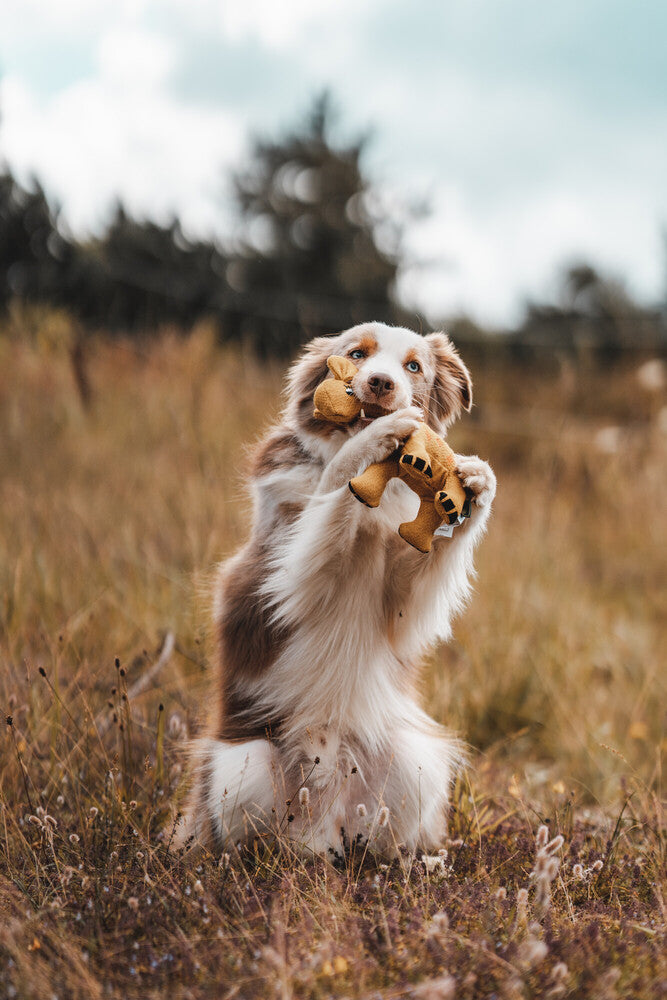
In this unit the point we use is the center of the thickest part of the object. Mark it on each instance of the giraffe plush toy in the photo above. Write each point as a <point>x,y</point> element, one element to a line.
<point>425,462</point>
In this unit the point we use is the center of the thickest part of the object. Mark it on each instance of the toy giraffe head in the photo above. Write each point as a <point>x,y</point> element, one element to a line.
<point>334,398</point>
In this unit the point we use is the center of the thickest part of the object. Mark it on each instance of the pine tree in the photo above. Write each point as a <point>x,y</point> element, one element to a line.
<point>308,260</point>
<point>33,252</point>
<point>140,274</point>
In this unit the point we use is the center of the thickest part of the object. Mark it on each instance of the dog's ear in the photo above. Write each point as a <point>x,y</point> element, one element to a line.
<point>452,386</point>
<point>303,378</point>
<point>342,368</point>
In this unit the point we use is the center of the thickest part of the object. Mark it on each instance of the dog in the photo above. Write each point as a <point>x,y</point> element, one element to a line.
<point>316,735</point>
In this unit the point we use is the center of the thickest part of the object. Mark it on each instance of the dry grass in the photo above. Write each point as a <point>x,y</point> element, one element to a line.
<point>111,521</point>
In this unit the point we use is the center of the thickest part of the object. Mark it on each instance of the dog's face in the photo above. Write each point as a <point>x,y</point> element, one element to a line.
<point>396,368</point>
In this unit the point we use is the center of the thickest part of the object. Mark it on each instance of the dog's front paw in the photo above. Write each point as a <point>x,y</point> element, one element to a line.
<point>477,477</point>
<point>389,432</point>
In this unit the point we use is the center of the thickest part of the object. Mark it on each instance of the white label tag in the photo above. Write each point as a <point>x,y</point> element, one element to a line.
<point>447,530</point>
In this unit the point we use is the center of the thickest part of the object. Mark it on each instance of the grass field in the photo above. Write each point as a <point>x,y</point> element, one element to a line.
<point>113,514</point>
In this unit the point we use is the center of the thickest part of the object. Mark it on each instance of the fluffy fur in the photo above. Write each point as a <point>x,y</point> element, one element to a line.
<point>323,616</point>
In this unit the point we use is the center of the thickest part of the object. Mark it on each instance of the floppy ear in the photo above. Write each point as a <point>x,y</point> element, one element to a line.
<point>452,388</point>
<point>303,378</point>
<point>341,368</point>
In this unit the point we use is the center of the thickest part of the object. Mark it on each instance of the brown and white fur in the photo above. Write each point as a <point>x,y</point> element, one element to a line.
<point>324,614</point>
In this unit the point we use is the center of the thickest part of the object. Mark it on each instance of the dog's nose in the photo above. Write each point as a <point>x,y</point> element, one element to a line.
<point>380,383</point>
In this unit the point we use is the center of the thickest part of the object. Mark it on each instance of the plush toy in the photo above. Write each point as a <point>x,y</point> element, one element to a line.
<point>425,462</point>
<point>334,398</point>
<point>428,466</point>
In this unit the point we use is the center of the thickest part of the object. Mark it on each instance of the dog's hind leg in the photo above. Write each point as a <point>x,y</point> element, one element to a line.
<point>425,759</point>
<point>237,792</point>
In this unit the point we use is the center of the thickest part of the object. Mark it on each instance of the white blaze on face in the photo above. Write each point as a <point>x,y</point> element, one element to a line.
<point>393,345</point>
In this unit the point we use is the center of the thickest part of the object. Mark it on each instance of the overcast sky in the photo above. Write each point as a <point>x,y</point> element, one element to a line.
<point>538,131</point>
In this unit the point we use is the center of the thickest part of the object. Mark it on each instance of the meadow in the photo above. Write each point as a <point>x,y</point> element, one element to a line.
<point>121,486</point>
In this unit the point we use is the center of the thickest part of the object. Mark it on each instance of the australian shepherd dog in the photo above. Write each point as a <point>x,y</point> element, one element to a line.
<point>316,734</point>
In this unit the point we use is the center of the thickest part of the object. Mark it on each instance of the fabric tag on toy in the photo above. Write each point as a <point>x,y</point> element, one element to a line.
<point>447,530</point>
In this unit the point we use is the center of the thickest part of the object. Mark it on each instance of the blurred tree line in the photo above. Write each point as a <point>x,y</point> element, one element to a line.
<point>314,252</point>
<point>307,259</point>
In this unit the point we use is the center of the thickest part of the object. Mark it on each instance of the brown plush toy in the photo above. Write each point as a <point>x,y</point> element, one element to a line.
<point>334,398</point>
<point>428,466</point>
<point>425,463</point>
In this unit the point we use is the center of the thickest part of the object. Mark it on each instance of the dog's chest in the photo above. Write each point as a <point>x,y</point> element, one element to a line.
<point>399,503</point>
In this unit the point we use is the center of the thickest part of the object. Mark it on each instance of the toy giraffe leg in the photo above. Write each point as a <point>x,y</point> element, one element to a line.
<point>415,460</point>
<point>451,500</point>
<point>419,532</point>
<point>370,485</point>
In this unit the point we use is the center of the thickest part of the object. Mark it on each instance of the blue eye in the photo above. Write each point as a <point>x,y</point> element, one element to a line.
<point>357,354</point>
<point>413,366</point>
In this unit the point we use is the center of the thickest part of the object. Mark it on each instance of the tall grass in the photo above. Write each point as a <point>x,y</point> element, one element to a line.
<point>112,517</point>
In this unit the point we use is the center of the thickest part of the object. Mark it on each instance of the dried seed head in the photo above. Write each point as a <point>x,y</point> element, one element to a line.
<point>304,796</point>
<point>74,838</point>
<point>605,987</point>
<point>555,844</point>
<point>598,865</point>
<point>440,988</point>
<point>175,726</point>
<point>440,922</point>
<point>551,869</point>
<point>578,872</point>
<point>560,972</point>
<point>362,812</point>
<point>531,952</point>
<point>383,816</point>
<point>542,896</point>
<point>66,875</point>
<point>133,903</point>
<point>522,907</point>
<point>542,837</point>
<point>433,863</point>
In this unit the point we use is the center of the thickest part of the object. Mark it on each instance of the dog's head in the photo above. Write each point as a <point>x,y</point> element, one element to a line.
<point>396,368</point>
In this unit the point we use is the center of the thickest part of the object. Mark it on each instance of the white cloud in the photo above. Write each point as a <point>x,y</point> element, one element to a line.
<point>280,25</point>
<point>22,20</point>
<point>485,263</point>
<point>132,58</point>
<point>99,138</point>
